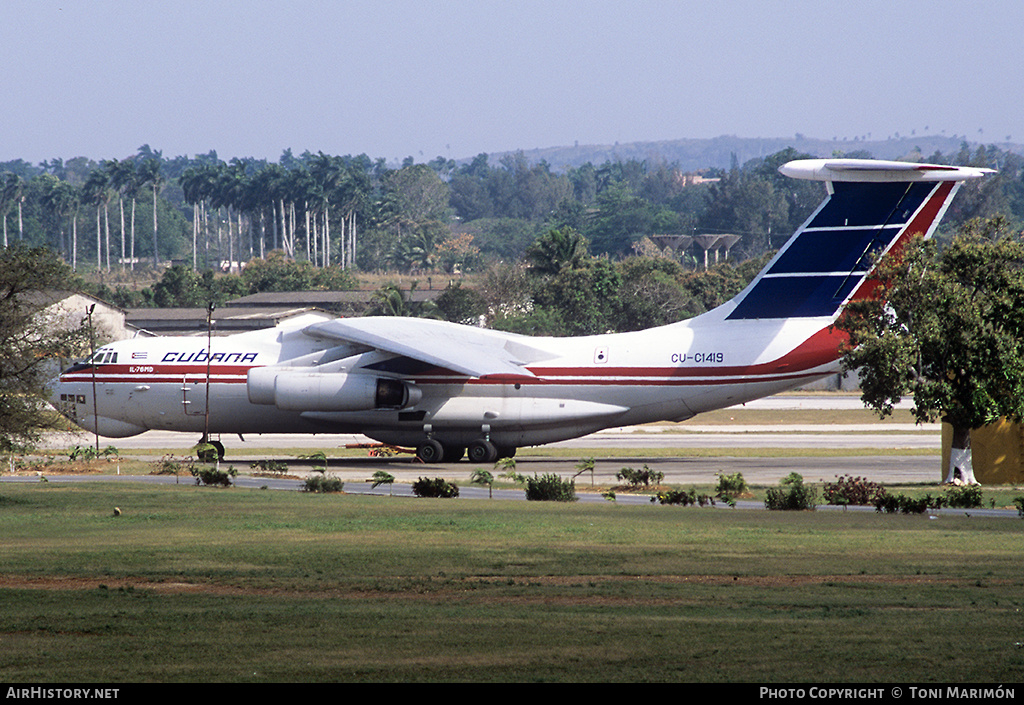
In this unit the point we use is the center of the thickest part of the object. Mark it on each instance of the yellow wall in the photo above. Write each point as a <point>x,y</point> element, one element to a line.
<point>997,453</point>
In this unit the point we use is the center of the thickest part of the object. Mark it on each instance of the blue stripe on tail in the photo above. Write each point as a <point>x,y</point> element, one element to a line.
<point>822,264</point>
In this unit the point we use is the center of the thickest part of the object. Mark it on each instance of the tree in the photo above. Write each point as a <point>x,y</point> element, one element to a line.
<point>461,305</point>
<point>946,326</point>
<point>150,174</point>
<point>30,342</point>
<point>557,250</point>
<point>96,191</point>
<point>390,300</point>
<point>11,191</point>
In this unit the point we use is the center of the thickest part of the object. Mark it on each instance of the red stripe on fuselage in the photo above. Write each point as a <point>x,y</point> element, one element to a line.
<point>820,349</point>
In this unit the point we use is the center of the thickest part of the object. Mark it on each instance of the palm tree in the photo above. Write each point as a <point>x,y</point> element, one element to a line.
<point>61,199</point>
<point>96,192</point>
<point>390,300</point>
<point>11,188</point>
<point>198,183</point>
<point>122,179</point>
<point>327,172</point>
<point>557,250</point>
<point>150,174</point>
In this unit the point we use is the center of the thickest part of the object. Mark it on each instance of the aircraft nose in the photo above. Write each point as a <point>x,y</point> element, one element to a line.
<point>58,392</point>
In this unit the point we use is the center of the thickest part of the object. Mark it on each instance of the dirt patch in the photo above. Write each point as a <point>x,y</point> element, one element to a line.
<point>441,586</point>
<point>69,467</point>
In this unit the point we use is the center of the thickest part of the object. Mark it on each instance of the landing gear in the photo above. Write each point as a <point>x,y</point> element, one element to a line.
<point>453,454</point>
<point>430,451</point>
<point>482,451</point>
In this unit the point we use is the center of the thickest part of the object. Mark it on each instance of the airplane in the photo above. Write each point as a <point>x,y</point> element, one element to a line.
<point>450,390</point>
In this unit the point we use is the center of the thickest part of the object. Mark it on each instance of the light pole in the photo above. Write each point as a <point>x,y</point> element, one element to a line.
<point>209,344</point>
<point>92,365</point>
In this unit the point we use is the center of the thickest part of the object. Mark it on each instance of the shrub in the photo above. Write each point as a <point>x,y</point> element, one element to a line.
<point>962,497</point>
<point>644,477</point>
<point>275,466</point>
<point>207,475</point>
<point>550,488</point>
<point>169,465</point>
<point>730,486</point>
<point>792,494</point>
<point>90,453</point>
<point>1019,502</point>
<point>853,490</point>
<point>322,484</point>
<point>436,487</point>
<point>957,497</point>
<point>903,504</point>
<point>684,497</point>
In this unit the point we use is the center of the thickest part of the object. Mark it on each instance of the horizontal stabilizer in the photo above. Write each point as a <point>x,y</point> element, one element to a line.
<point>877,170</point>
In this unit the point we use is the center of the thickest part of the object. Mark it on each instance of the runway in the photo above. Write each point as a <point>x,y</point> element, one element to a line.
<point>616,448</point>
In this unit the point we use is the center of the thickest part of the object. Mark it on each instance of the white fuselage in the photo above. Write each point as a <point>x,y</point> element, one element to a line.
<point>588,383</point>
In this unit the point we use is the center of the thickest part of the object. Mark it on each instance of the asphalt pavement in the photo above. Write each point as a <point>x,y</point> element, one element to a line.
<point>616,448</point>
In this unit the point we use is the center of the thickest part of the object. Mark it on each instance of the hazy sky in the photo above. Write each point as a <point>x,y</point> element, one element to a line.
<point>422,78</point>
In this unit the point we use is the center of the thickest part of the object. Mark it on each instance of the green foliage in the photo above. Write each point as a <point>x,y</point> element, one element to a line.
<point>643,477</point>
<point>391,300</point>
<point>212,475</point>
<point>506,464</point>
<point>947,327</point>
<point>686,498</point>
<point>792,494</point>
<point>273,466</point>
<point>32,341</point>
<point>955,497</point>
<point>962,497</point>
<point>904,504</point>
<point>550,488</point>
<point>80,452</point>
<point>435,487</point>
<point>513,476</point>
<point>319,459</point>
<point>277,272</point>
<point>461,305</point>
<point>169,465</point>
<point>382,477</point>
<point>557,251</point>
<point>483,477</point>
<point>731,486</point>
<point>322,484</point>
<point>206,452</point>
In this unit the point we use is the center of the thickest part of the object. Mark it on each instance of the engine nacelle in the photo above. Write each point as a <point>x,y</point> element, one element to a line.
<point>336,391</point>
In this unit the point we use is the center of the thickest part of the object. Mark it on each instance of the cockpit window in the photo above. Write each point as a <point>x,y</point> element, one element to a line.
<point>103,357</point>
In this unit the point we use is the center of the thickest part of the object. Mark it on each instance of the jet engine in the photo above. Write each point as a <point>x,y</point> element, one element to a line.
<point>334,391</point>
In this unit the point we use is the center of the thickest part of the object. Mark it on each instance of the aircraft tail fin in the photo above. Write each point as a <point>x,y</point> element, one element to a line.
<point>872,207</point>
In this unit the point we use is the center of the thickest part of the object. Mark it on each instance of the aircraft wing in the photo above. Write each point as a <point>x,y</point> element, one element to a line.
<point>476,352</point>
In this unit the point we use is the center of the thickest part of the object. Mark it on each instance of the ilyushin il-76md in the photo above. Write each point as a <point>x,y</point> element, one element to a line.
<point>450,390</point>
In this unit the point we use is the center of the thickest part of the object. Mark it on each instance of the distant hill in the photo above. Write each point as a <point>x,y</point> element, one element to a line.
<point>717,152</point>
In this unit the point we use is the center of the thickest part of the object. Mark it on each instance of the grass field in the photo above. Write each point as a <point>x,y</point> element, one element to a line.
<point>192,584</point>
